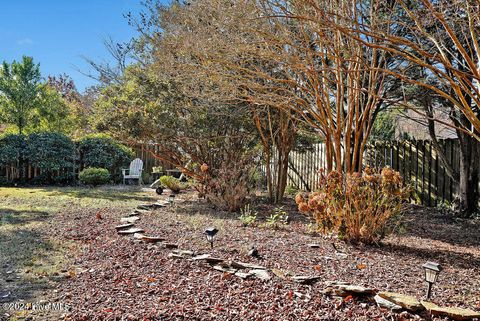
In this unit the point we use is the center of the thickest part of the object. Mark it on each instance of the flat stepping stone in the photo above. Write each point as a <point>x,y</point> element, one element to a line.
<point>175,256</point>
<point>224,269</point>
<point>451,312</point>
<point>161,204</point>
<point>405,301</point>
<point>340,289</point>
<point>381,302</point>
<point>356,289</point>
<point>157,206</point>
<point>124,226</point>
<point>243,275</point>
<point>333,283</point>
<point>170,245</point>
<point>138,212</point>
<point>243,265</point>
<point>131,219</point>
<point>152,239</point>
<point>208,258</point>
<point>213,260</point>
<point>131,230</point>
<point>261,274</point>
<point>138,235</point>
<point>201,257</point>
<point>305,279</point>
<point>280,274</point>
<point>184,252</point>
<point>146,207</point>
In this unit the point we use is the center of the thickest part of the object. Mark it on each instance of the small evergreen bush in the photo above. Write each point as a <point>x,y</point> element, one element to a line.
<point>94,176</point>
<point>102,151</point>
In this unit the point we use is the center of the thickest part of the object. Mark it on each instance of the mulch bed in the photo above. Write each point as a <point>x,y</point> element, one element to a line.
<point>119,277</point>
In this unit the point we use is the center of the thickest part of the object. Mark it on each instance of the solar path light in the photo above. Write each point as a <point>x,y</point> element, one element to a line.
<point>171,199</point>
<point>210,233</point>
<point>432,270</point>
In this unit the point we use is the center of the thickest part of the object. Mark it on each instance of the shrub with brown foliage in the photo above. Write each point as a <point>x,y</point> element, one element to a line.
<point>357,207</point>
<point>228,184</point>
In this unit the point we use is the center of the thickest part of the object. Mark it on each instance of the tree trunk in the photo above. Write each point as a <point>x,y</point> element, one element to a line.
<point>268,173</point>
<point>282,174</point>
<point>469,175</point>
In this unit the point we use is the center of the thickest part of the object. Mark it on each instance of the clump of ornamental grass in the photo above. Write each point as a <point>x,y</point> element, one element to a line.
<point>172,183</point>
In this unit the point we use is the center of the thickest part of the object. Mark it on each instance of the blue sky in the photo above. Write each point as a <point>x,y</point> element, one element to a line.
<point>57,33</point>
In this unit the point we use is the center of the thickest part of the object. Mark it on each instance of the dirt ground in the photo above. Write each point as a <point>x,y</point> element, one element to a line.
<point>108,276</point>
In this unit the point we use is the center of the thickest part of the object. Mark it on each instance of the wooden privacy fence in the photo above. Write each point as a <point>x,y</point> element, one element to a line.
<point>416,161</point>
<point>303,167</point>
<point>142,151</point>
<point>13,172</point>
<point>419,165</point>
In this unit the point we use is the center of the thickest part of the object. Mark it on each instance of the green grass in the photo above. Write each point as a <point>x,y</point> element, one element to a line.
<point>32,261</point>
<point>52,199</point>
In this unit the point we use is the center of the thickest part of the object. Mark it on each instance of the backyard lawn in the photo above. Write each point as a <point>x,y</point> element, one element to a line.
<point>35,255</point>
<point>60,245</point>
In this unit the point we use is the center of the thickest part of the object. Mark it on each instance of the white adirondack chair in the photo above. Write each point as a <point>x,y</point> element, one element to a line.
<point>134,172</point>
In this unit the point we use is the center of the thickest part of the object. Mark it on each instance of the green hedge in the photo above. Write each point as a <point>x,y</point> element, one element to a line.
<point>58,157</point>
<point>55,155</point>
<point>10,148</point>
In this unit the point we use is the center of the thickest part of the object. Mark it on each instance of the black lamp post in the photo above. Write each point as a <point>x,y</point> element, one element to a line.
<point>432,270</point>
<point>210,234</point>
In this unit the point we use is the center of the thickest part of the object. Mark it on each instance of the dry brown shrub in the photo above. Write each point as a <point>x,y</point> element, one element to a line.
<point>358,207</point>
<point>229,184</point>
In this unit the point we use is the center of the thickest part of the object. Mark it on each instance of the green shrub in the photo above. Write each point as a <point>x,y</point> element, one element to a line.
<point>172,183</point>
<point>10,152</point>
<point>146,178</point>
<point>10,148</point>
<point>94,176</point>
<point>54,155</point>
<point>103,151</point>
